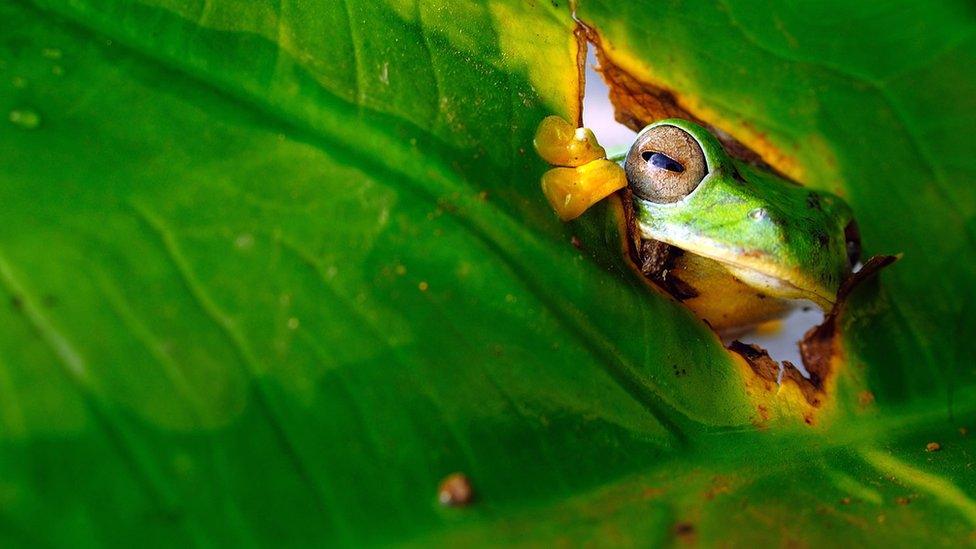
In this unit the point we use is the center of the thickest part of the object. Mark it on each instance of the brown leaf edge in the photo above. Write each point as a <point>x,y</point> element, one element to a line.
<point>818,345</point>
<point>636,103</point>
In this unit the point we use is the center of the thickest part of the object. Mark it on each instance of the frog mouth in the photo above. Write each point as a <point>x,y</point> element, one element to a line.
<point>774,285</point>
<point>751,268</point>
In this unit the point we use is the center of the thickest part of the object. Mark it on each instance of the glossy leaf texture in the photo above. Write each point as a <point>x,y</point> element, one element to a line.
<point>274,269</point>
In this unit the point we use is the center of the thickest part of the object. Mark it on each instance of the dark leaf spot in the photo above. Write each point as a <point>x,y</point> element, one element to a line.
<point>684,529</point>
<point>813,201</point>
<point>823,240</point>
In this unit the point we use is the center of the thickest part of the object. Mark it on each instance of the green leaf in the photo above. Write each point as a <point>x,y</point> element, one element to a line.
<point>273,270</point>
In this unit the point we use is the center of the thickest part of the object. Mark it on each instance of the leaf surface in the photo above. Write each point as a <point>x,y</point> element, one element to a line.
<point>275,269</point>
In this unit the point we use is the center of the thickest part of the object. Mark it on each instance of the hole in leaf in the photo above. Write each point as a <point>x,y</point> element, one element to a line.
<point>598,111</point>
<point>613,112</point>
<point>781,337</point>
<point>805,336</point>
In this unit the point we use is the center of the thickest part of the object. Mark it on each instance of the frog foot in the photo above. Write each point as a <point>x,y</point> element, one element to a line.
<point>582,175</point>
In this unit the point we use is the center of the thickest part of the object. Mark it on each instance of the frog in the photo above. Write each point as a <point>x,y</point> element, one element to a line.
<point>743,244</point>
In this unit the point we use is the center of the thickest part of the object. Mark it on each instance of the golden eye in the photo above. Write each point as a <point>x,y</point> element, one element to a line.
<point>665,164</point>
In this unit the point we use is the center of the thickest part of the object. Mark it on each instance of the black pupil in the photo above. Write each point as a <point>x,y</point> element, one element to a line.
<point>663,161</point>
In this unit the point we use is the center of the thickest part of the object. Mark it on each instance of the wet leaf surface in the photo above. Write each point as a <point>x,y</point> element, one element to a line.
<point>275,270</point>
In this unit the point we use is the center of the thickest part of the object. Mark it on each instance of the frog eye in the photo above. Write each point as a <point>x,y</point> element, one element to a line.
<point>853,238</point>
<point>665,164</point>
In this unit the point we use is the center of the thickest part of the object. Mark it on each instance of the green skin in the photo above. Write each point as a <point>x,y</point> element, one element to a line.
<point>780,238</point>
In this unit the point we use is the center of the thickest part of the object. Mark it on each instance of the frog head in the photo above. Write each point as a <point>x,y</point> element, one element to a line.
<point>782,239</point>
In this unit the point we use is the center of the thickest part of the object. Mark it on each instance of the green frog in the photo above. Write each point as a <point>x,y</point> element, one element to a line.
<point>744,242</point>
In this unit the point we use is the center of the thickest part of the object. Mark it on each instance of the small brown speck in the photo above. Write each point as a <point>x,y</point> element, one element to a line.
<point>903,501</point>
<point>963,431</point>
<point>423,285</point>
<point>845,501</point>
<point>763,412</point>
<point>684,530</point>
<point>865,398</point>
<point>576,242</point>
<point>652,492</point>
<point>933,447</point>
<point>455,490</point>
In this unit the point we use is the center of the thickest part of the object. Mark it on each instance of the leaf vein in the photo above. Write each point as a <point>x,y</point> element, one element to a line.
<point>226,324</point>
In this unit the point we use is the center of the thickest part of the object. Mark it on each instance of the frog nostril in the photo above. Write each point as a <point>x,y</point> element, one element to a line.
<point>663,161</point>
